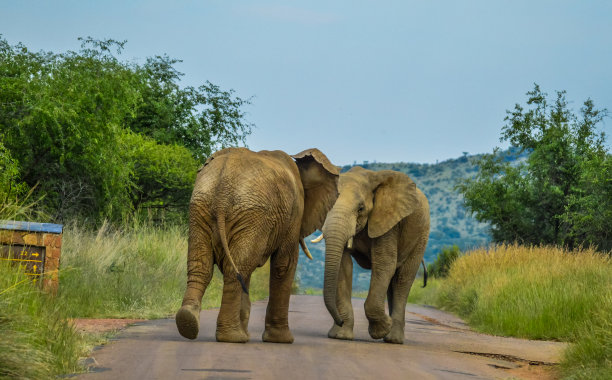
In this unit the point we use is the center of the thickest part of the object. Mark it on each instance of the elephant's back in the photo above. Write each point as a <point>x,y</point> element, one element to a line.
<point>242,181</point>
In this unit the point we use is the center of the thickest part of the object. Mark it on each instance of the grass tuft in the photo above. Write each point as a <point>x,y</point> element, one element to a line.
<point>36,339</point>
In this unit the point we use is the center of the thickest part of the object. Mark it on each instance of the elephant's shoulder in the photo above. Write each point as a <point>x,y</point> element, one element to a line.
<point>224,152</point>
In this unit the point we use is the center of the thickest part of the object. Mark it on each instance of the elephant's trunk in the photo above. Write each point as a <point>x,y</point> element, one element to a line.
<point>336,236</point>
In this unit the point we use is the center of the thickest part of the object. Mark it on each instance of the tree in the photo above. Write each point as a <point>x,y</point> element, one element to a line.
<point>561,193</point>
<point>163,175</point>
<point>202,119</point>
<point>75,124</point>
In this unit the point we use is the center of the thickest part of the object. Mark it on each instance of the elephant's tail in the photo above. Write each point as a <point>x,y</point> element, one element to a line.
<point>223,238</point>
<point>424,273</point>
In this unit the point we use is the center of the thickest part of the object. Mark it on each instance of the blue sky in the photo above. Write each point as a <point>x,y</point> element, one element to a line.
<point>414,81</point>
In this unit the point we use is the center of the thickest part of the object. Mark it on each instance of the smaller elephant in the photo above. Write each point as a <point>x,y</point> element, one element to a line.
<point>381,219</point>
<point>247,207</point>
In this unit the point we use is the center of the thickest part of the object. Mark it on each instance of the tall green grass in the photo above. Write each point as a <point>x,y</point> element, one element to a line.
<point>536,293</point>
<point>36,339</point>
<point>135,273</point>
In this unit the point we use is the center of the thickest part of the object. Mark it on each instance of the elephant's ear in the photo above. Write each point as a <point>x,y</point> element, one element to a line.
<point>320,181</point>
<point>395,198</point>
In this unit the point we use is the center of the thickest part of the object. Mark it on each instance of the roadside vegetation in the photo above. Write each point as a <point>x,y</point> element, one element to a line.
<point>535,293</point>
<point>538,282</point>
<point>36,338</point>
<point>138,272</point>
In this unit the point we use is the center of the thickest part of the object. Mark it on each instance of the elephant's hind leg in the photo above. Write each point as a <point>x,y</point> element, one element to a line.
<point>282,271</point>
<point>199,274</point>
<point>229,324</point>
<point>245,308</point>
<point>345,308</point>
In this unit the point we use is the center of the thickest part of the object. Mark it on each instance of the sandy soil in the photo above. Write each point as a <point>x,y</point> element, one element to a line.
<point>87,325</point>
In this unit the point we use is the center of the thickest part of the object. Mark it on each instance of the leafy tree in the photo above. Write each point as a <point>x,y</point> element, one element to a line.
<point>163,175</point>
<point>560,194</point>
<point>63,124</point>
<point>202,119</point>
<point>76,123</point>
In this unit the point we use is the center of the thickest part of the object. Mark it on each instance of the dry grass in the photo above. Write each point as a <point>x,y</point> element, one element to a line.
<point>536,293</point>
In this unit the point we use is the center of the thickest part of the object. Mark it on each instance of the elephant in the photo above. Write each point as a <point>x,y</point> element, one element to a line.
<point>245,208</point>
<point>381,219</point>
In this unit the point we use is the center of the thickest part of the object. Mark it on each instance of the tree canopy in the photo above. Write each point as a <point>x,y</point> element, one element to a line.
<point>100,137</point>
<point>562,193</point>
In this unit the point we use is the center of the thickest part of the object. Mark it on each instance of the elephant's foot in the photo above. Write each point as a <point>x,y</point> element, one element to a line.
<point>380,328</point>
<point>345,332</point>
<point>396,335</point>
<point>277,334</point>
<point>188,321</point>
<point>237,335</point>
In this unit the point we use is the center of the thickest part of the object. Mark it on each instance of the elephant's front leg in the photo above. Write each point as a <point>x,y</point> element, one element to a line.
<point>282,271</point>
<point>384,260</point>
<point>398,296</point>
<point>229,324</point>
<point>345,308</point>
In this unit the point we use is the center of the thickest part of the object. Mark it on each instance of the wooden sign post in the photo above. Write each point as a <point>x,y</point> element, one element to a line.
<point>35,247</point>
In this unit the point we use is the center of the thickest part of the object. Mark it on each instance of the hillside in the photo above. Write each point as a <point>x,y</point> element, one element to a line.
<point>450,222</point>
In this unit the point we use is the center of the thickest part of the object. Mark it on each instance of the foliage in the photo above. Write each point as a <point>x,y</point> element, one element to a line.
<point>71,121</point>
<point>590,357</point>
<point>562,194</point>
<point>36,339</point>
<point>442,263</point>
<point>10,186</point>
<point>202,119</point>
<point>163,175</point>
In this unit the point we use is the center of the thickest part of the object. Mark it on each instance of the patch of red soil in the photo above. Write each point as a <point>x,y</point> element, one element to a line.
<point>102,325</point>
<point>535,372</point>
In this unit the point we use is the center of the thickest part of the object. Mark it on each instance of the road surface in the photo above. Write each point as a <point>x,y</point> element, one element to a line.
<point>437,346</point>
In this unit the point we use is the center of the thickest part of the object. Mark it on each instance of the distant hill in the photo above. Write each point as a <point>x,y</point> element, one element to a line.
<point>450,223</point>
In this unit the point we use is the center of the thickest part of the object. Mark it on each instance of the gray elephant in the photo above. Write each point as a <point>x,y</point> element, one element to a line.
<point>382,220</point>
<point>246,207</point>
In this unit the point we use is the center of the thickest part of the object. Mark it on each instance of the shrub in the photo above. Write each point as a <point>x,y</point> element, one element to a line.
<point>441,266</point>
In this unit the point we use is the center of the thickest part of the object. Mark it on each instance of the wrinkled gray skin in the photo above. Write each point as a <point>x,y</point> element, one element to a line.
<point>248,206</point>
<point>388,219</point>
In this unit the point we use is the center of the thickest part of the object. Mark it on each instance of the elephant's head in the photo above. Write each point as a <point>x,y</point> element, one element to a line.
<point>366,199</point>
<point>320,181</point>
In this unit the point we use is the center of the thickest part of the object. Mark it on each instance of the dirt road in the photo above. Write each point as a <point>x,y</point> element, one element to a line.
<point>437,346</point>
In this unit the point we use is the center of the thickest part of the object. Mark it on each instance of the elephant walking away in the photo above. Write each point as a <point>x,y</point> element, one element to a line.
<point>247,207</point>
<point>381,219</point>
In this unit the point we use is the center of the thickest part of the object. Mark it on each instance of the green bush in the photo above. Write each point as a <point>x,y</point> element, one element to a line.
<point>440,267</point>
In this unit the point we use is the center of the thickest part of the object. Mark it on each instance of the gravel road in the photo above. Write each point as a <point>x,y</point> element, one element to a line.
<point>437,346</point>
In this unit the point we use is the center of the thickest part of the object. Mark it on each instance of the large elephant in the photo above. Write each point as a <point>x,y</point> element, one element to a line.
<point>382,220</point>
<point>246,207</point>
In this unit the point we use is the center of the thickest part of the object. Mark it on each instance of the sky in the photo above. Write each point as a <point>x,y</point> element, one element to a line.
<point>385,81</point>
